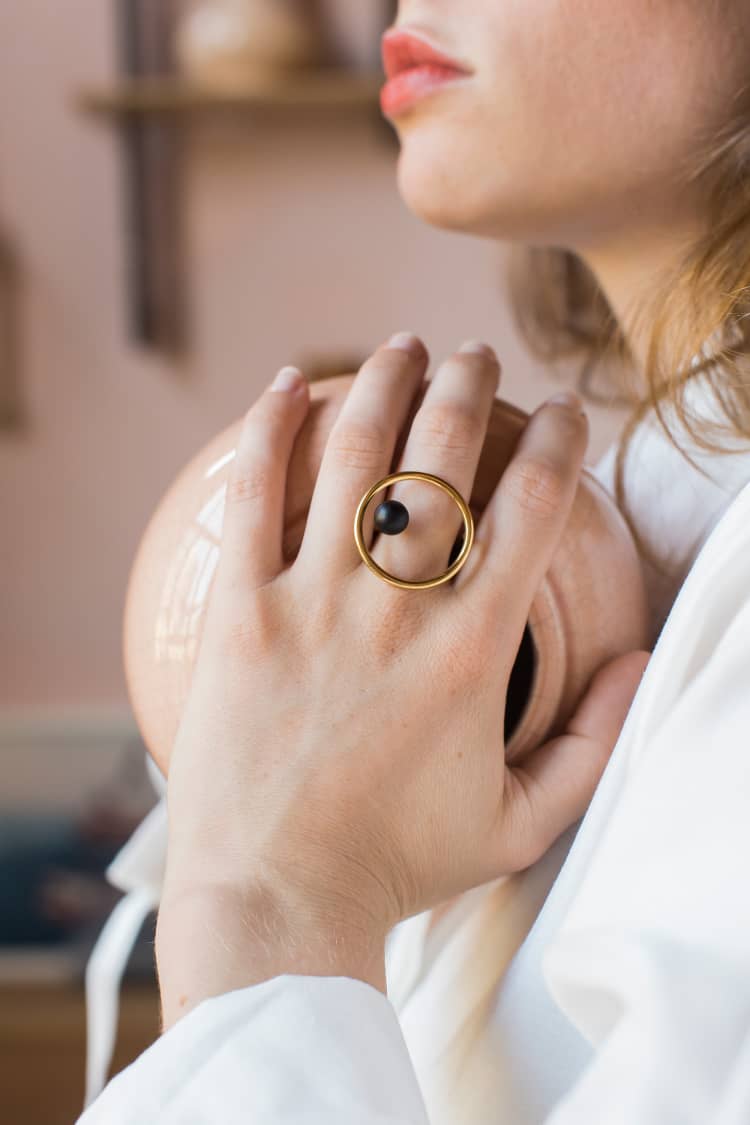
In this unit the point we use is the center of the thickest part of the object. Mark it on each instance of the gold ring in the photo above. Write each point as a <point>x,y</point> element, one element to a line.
<point>427,582</point>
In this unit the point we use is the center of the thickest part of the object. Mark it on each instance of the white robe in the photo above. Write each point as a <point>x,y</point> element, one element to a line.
<point>608,983</point>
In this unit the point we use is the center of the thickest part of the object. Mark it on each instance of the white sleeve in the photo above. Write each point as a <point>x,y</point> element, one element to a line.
<point>293,1050</point>
<point>652,961</point>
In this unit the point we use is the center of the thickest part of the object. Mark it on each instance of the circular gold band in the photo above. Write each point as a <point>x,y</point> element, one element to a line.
<point>427,582</point>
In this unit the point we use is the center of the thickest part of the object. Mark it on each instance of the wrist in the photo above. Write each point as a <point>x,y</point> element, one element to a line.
<point>215,938</point>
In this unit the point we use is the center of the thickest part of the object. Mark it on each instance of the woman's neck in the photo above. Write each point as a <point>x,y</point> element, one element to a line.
<point>629,269</point>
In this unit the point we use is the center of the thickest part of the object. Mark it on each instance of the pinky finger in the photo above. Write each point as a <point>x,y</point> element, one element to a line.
<point>251,547</point>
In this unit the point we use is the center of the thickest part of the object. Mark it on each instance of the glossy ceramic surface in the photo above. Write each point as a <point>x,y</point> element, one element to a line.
<point>590,607</point>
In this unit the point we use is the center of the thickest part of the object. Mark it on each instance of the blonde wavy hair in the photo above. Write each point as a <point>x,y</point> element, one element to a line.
<point>561,311</point>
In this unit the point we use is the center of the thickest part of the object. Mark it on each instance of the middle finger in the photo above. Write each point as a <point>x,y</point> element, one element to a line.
<point>359,451</point>
<point>445,439</point>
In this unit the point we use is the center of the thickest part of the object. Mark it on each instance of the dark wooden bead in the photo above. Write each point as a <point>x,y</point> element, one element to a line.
<point>391,517</point>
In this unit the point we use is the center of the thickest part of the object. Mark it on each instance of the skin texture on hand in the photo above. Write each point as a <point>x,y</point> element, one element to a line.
<point>339,763</point>
<point>215,939</point>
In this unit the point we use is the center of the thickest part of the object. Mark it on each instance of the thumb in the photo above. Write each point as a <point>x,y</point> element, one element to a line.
<point>554,785</point>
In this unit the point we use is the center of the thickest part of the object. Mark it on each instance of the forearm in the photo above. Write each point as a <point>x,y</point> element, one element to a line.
<point>214,939</point>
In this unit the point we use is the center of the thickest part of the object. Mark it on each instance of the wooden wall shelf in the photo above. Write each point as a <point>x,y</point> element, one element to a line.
<point>148,112</point>
<point>329,89</point>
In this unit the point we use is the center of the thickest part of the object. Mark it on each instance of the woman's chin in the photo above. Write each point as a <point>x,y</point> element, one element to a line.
<point>449,188</point>
<point>447,182</point>
<point>434,189</point>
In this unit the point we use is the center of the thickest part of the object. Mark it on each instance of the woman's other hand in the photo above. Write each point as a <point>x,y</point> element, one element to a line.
<point>339,764</point>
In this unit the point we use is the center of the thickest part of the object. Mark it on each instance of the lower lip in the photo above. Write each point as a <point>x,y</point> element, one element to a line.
<point>405,89</point>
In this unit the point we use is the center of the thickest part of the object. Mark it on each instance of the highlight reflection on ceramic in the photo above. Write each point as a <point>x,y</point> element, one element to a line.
<point>188,582</point>
<point>574,625</point>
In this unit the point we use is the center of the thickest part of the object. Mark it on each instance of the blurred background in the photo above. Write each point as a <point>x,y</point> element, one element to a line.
<point>191,196</point>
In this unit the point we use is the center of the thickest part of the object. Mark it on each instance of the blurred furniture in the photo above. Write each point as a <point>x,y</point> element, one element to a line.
<point>43,1045</point>
<point>174,97</point>
<point>220,42</point>
<point>148,99</point>
<point>150,159</point>
<point>11,407</point>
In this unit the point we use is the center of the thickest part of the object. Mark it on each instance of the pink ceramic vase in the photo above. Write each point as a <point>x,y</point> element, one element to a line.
<point>590,607</point>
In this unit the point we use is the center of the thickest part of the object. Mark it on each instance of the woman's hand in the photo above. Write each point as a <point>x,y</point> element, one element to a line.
<point>339,765</point>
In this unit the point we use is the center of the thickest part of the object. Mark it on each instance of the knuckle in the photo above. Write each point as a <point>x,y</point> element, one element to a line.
<point>452,426</point>
<point>250,633</point>
<point>517,841</point>
<point>536,485</point>
<point>464,653</point>
<point>323,615</point>
<point>249,483</point>
<point>241,639</point>
<point>392,628</point>
<point>357,443</point>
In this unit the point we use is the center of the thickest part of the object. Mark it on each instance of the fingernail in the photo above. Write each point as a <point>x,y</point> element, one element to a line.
<point>478,347</point>
<point>288,379</point>
<point>407,342</point>
<point>568,398</point>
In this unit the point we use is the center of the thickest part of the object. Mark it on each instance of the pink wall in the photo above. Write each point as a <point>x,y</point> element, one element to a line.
<point>298,244</point>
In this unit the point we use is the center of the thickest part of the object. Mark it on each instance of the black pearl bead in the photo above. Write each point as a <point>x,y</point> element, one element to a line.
<point>391,517</point>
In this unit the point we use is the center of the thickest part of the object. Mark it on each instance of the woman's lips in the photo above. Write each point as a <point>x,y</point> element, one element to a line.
<point>406,88</point>
<point>413,68</point>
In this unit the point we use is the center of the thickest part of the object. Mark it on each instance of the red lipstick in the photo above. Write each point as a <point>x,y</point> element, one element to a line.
<point>414,68</point>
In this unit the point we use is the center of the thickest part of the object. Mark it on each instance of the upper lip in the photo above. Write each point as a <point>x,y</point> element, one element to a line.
<point>403,50</point>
